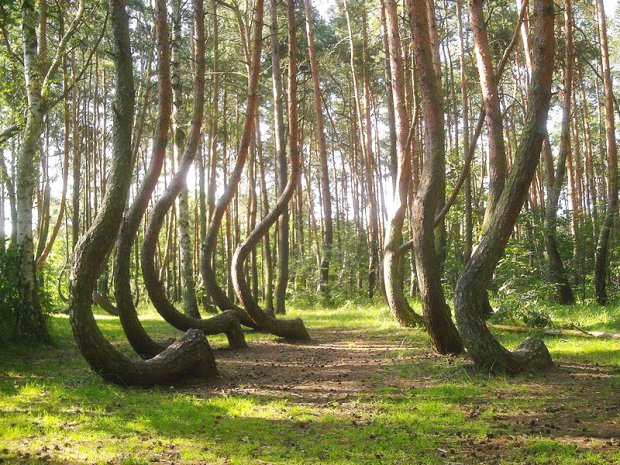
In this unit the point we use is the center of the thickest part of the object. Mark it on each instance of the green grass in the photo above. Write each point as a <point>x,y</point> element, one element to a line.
<point>421,408</point>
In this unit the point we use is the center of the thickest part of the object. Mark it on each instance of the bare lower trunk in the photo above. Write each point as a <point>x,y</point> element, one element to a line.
<point>326,201</point>
<point>392,257</point>
<point>29,318</point>
<point>282,175</point>
<point>602,248</point>
<point>556,265</point>
<point>137,336</point>
<point>441,328</point>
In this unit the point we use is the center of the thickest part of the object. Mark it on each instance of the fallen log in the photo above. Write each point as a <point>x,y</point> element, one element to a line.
<point>558,332</point>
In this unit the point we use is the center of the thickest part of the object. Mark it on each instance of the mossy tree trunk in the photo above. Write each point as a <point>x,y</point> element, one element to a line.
<point>189,355</point>
<point>486,352</point>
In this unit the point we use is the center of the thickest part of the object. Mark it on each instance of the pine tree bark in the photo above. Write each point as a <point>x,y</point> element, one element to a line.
<point>141,342</point>
<point>190,355</point>
<point>554,186</point>
<point>282,175</point>
<point>442,331</point>
<point>227,322</point>
<point>486,352</point>
<point>601,257</point>
<point>210,241</point>
<point>326,201</point>
<point>290,329</point>
<point>392,257</point>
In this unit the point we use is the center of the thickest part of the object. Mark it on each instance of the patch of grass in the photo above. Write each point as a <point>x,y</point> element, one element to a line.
<point>423,408</point>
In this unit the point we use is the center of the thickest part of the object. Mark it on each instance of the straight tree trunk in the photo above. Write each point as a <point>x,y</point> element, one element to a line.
<point>326,201</point>
<point>30,321</point>
<point>554,187</point>
<point>282,175</point>
<point>601,257</point>
<point>490,94</point>
<point>190,305</point>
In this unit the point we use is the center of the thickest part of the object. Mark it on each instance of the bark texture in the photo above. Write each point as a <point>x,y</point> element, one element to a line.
<point>141,342</point>
<point>210,241</point>
<point>228,321</point>
<point>602,247</point>
<point>392,256</point>
<point>486,352</point>
<point>441,328</point>
<point>554,187</point>
<point>290,329</point>
<point>189,355</point>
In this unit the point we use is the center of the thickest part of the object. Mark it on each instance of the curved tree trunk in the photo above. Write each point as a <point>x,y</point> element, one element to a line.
<point>441,328</point>
<point>226,322</point>
<point>104,303</point>
<point>556,265</point>
<point>210,241</point>
<point>392,257</point>
<point>137,336</point>
<point>482,346</point>
<point>602,248</point>
<point>291,329</point>
<point>189,355</point>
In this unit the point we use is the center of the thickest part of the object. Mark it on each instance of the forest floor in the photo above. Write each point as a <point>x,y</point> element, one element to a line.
<point>363,391</point>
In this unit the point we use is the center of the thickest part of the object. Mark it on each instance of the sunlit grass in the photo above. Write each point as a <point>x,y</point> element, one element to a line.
<point>57,411</point>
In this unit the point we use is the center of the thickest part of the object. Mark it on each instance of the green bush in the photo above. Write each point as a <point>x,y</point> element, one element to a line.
<point>9,296</point>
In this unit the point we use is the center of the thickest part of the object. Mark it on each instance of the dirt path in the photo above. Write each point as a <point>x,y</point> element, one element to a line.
<point>573,404</point>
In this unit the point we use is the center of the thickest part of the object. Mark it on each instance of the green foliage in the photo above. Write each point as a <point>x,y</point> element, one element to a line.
<point>9,296</point>
<point>523,310</point>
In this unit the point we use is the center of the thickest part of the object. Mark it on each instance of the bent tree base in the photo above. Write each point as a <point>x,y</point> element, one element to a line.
<point>290,329</point>
<point>190,355</point>
<point>470,293</point>
<point>486,352</point>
